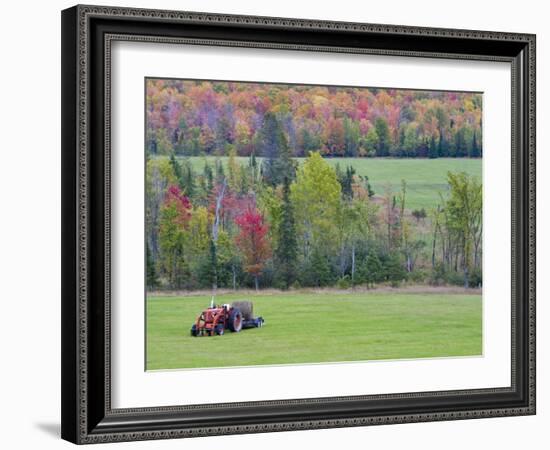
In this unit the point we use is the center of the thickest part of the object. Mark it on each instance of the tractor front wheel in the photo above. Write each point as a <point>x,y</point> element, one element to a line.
<point>219,330</point>
<point>194,330</point>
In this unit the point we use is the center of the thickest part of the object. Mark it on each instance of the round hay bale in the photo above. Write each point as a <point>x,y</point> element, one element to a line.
<point>245,307</point>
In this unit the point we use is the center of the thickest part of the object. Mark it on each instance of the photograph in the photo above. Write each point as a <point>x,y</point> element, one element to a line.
<point>310,224</point>
<point>283,220</point>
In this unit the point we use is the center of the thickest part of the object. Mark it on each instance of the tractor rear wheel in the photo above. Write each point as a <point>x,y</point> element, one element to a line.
<point>235,322</point>
<point>245,307</point>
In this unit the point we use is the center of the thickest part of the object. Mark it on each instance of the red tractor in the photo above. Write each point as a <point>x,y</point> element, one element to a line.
<point>216,319</point>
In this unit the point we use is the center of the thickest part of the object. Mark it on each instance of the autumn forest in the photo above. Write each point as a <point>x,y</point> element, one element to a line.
<point>255,185</point>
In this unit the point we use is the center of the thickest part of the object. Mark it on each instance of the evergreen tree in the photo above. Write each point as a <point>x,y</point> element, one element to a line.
<point>287,249</point>
<point>461,149</point>
<point>278,162</point>
<point>317,272</point>
<point>370,272</point>
<point>432,152</point>
<point>233,171</point>
<point>223,134</point>
<point>393,270</point>
<point>347,183</point>
<point>220,173</point>
<point>152,280</point>
<point>401,138</point>
<point>339,173</point>
<point>270,142</point>
<point>177,169</point>
<point>208,175</point>
<point>152,144</point>
<point>384,141</point>
<point>184,176</point>
<point>208,270</point>
<point>193,142</point>
<point>187,180</point>
<point>285,165</point>
<point>244,180</point>
<point>253,169</point>
<point>367,185</point>
<point>253,162</point>
<point>475,153</point>
<point>442,149</point>
<point>346,180</point>
<point>307,142</point>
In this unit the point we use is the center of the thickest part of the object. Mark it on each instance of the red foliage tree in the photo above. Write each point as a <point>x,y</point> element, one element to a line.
<point>252,242</point>
<point>176,199</point>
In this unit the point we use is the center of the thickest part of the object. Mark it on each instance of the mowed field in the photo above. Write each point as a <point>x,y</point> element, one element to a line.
<point>312,327</point>
<point>425,178</point>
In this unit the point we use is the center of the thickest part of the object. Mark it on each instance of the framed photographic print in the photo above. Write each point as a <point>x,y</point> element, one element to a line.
<point>282,224</point>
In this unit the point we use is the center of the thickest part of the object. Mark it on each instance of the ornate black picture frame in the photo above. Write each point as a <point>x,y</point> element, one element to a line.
<point>87,35</point>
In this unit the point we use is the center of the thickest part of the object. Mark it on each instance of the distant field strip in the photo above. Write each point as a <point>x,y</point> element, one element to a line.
<point>305,327</point>
<point>425,178</point>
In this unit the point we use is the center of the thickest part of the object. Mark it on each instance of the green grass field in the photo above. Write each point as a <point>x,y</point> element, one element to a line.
<point>306,327</point>
<point>426,178</point>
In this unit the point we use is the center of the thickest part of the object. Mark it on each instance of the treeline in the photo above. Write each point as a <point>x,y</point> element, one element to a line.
<point>278,225</point>
<point>195,118</point>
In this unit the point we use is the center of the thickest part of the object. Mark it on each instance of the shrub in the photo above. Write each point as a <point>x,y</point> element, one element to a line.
<point>455,278</point>
<point>437,276</point>
<point>344,282</point>
<point>476,278</point>
<point>419,214</point>
<point>419,276</point>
